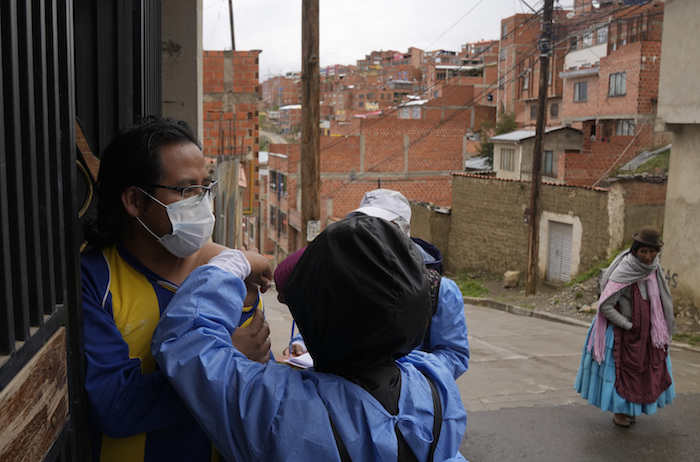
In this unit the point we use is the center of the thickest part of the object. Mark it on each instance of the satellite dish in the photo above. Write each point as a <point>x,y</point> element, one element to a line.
<point>570,15</point>
<point>595,4</point>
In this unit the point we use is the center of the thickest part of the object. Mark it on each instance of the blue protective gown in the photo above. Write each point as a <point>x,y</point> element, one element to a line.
<point>448,329</point>
<point>266,412</point>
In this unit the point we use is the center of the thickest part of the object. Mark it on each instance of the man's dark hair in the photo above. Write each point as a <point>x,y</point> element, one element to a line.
<point>132,158</point>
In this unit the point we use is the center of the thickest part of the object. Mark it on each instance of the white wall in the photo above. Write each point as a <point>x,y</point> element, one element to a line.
<point>679,109</point>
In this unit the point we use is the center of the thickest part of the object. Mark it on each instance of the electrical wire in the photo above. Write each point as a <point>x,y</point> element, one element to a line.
<point>467,105</point>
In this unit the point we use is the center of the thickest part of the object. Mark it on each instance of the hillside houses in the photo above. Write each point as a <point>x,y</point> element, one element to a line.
<point>411,120</point>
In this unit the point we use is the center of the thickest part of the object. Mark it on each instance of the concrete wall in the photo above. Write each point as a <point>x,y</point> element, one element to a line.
<point>681,253</point>
<point>488,232</point>
<point>679,103</point>
<point>679,99</point>
<point>181,46</point>
<point>644,203</point>
<point>432,224</point>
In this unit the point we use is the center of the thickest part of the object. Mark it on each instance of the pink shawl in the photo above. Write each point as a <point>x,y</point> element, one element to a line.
<point>660,336</point>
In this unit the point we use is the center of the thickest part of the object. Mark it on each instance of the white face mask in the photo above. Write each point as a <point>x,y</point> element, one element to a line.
<point>192,221</point>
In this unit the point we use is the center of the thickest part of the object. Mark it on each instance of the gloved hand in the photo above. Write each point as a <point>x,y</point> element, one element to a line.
<point>248,265</point>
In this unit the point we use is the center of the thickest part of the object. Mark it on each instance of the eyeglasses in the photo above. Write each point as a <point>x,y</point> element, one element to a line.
<point>192,190</point>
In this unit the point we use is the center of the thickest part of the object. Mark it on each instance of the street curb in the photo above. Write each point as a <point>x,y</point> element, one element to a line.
<point>519,310</point>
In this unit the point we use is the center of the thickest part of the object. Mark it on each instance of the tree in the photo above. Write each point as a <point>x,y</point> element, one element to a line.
<point>506,123</point>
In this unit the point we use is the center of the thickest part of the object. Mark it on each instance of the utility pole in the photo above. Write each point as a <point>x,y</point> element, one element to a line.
<point>545,45</point>
<point>230,17</point>
<point>310,116</point>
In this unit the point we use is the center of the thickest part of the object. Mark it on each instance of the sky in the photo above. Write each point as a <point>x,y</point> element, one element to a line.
<point>351,29</point>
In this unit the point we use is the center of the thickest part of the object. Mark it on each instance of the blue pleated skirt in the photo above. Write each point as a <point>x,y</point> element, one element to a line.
<point>596,382</point>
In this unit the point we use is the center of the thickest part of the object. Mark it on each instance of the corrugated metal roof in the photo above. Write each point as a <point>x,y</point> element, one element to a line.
<point>520,135</point>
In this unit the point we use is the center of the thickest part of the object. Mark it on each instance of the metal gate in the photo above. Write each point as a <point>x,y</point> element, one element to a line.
<point>559,255</point>
<point>112,49</point>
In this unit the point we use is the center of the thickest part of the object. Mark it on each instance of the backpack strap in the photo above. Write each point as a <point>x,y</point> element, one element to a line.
<point>437,420</point>
<point>342,450</point>
<point>434,279</point>
<point>405,454</point>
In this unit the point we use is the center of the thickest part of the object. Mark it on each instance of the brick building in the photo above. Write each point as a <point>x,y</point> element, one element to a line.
<point>230,140</point>
<point>519,69</point>
<point>611,83</point>
<point>416,157</point>
<point>281,91</point>
<point>289,119</point>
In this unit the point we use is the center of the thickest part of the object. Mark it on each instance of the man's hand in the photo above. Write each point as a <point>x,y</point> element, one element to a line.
<point>260,270</point>
<point>254,340</point>
<point>297,350</point>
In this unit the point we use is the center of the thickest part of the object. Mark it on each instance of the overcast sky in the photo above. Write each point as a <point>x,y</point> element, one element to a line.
<point>351,29</point>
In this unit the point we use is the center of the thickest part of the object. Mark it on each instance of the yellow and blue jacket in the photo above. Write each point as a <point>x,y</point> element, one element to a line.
<point>135,414</point>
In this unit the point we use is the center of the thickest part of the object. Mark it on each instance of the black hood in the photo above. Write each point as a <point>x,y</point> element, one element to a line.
<point>359,295</point>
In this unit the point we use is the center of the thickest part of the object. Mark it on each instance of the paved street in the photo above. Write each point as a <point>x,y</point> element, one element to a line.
<point>522,406</point>
<point>521,403</point>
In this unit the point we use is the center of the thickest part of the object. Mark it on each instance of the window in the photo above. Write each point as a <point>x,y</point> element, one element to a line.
<point>282,179</point>
<point>533,111</point>
<point>507,159</point>
<point>502,54</point>
<point>624,127</point>
<point>501,82</point>
<point>273,180</point>
<point>416,113</point>
<point>282,223</point>
<point>587,40</point>
<point>573,42</point>
<point>273,217</point>
<point>554,110</point>
<point>526,82</point>
<point>504,30</point>
<point>548,162</point>
<point>581,91</point>
<point>602,35</point>
<point>617,84</point>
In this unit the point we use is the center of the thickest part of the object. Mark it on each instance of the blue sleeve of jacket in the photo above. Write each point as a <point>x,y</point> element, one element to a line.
<point>123,401</point>
<point>244,407</point>
<point>448,329</point>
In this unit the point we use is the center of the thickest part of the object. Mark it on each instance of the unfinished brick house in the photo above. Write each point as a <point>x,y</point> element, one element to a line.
<point>231,142</point>
<point>416,157</point>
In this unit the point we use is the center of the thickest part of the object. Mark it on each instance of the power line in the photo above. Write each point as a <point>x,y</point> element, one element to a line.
<point>467,105</point>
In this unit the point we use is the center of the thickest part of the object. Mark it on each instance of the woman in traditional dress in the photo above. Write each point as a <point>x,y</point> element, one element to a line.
<point>625,367</point>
